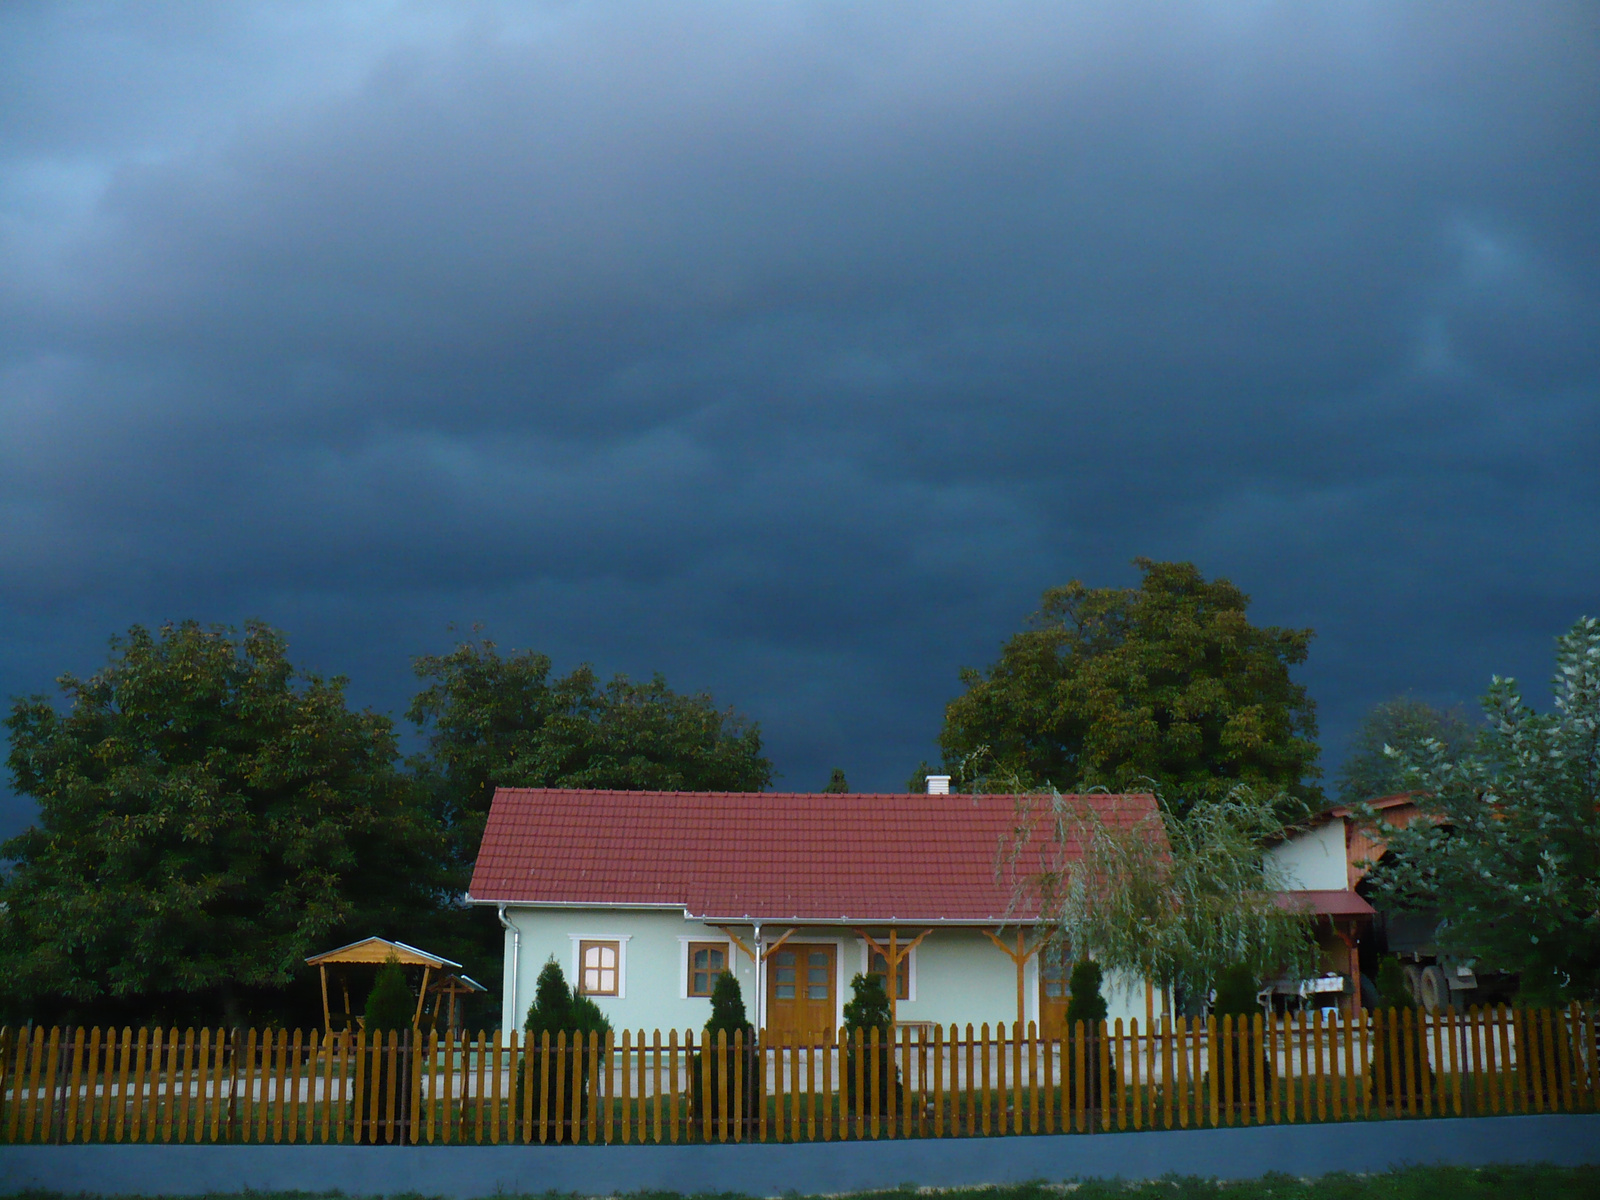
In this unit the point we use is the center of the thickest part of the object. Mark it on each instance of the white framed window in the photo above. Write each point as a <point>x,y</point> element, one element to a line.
<point>600,964</point>
<point>905,976</point>
<point>700,961</point>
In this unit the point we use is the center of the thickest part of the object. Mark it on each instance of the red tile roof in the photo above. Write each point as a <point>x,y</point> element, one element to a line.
<point>738,856</point>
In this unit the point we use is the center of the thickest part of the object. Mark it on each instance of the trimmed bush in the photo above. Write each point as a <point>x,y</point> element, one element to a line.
<point>1386,1075</point>
<point>1086,1004</point>
<point>727,1017</point>
<point>1236,998</point>
<point>867,1010</point>
<point>557,1008</point>
<point>390,1009</point>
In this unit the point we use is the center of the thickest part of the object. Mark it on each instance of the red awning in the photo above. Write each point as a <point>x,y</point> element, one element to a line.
<point>1326,903</point>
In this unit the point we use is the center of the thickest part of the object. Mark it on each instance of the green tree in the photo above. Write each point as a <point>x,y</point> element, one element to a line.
<point>1165,687</point>
<point>728,1018</point>
<point>390,1005</point>
<point>836,782</point>
<point>868,1010</point>
<point>501,721</point>
<point>1390,733</point>
<point>557,1008</point>
<point>1511,857</point>
<point>208,816</point>
<point>918,783</point>
<point>1176,900</point>
<point>1084,1000</point>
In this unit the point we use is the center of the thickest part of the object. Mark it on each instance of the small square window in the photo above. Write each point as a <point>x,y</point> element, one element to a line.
<point>878,965</point>
<point>707,960</point>
<point>599,968</point>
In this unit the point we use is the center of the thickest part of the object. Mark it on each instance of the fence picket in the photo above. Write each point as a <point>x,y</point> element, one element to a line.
<point>83,1084</point>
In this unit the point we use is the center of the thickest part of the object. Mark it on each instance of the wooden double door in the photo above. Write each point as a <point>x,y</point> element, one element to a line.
<point>802,989</point>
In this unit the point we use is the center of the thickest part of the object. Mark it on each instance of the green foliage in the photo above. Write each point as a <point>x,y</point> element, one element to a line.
<point>557,1007</point>
<point>552,1001</point>
<point>868,1006</point>
<point>1511,860</point>
<point>836,782</point>
<point>494,720</point>
<point>1390,733</point>
<point>1391,983</point>
<point>208,816</point>
<point>1085,1003</point>
<point>1166,687</point>
<point>1170,899</point>
<point>1236,992</point>
<point>390,1004</point>
<point>866,1010</point>
<point>918,783</point>
<point>727,1007</point>
<point>728,1018</point>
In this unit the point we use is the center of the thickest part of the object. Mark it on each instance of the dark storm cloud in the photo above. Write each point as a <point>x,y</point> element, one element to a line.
<point>792,349</point>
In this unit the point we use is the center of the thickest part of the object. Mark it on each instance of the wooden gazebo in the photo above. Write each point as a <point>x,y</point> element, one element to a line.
<point>445,989</point>
<point>374,952</point>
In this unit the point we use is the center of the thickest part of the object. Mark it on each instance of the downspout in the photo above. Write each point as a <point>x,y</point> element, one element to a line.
<point>516,954</point>
<point>760,995</point>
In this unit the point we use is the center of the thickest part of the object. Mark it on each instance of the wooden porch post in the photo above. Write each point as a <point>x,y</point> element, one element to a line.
<point>327,1022</point>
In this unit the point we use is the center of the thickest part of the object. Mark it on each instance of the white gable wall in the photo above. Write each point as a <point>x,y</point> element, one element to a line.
<point>1314,859</point>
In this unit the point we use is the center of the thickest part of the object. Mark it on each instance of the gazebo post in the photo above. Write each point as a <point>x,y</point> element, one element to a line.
<point>422,994</point>
<point>327,1023</point>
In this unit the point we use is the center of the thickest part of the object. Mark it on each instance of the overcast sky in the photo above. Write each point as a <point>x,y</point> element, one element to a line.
<point>793,349</point>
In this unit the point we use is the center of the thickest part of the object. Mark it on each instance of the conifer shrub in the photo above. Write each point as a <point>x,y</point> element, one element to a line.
<point>557,1008</point>
<point>1086,1004</point>
<point>1386,1074</point>
<point>868,1009</point>
<point>727,1017</point>
<point>1236,992</point>
<point>390,1008</point>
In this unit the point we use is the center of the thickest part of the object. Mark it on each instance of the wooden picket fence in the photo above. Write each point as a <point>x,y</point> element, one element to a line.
<point>93,1085</point>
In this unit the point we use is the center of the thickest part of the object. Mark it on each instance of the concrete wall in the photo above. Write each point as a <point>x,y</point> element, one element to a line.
<point>1314,860</point>
<point>469,1172</point>
<point>957,975</point>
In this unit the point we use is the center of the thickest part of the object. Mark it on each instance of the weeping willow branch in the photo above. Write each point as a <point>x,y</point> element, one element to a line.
<point>1170,899</point>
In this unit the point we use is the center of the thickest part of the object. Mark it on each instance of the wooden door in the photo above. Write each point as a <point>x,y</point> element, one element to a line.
<point>1053,999</point>
<point>801,983</point>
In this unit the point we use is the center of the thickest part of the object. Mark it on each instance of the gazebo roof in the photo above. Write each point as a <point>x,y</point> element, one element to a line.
<point>378,950</point>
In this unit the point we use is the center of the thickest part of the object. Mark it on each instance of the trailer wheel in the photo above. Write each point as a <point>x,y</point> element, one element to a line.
<point>1435,989</point>
<point>1413,977</point>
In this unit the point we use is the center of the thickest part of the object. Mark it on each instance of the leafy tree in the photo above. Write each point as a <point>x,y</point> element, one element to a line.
<point>494,720</point>
<point>1166,687</point>
<point>1177,900</point>
<point>208,816</point>
<point>1402,725</point>
<point>918,783</point>
<point>836,782</point>
<point>1511,857</point>
<point>390,1005</point>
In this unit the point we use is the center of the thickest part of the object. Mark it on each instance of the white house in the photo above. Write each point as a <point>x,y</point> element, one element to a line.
<point>644,897</point>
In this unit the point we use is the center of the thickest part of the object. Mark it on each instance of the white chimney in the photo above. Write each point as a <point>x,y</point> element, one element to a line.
<point>938,785</point>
